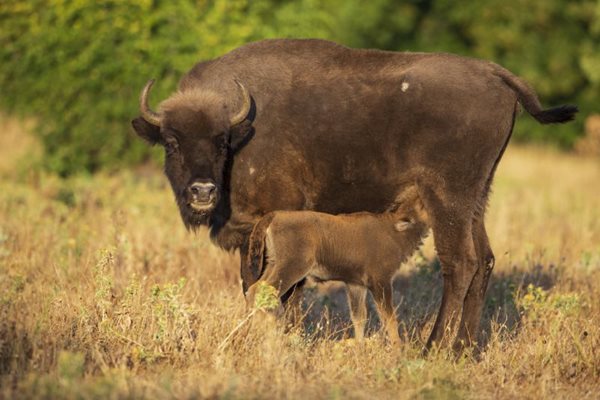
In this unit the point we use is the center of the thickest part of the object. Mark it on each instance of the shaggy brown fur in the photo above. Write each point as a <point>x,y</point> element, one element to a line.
<point>364,250</point>
<point>341,130</point>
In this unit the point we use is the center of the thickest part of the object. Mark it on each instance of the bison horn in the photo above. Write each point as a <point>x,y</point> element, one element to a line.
<point>149,115</point>
<point>243,113</point>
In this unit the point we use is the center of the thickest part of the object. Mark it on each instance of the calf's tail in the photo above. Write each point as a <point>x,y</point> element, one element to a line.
<point>529,100</point>
<point>253,266</point>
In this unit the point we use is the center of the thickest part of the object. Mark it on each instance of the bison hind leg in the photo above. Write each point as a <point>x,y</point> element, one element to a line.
<point>451,217</point>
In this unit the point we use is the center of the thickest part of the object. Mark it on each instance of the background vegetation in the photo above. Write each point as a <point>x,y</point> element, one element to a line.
<point>78,66</point>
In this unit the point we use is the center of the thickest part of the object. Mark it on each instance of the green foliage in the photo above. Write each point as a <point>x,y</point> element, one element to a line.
<point>537,303</point>
<point>78,66</point>
<point>554,44</point>
<point>70,365</point>
<point>104,281</point>
<point>267,297</point>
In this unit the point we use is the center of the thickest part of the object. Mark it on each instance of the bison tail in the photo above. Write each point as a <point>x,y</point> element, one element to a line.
<point>558,114</point>
<point>252,268</point>
<point>529,100</point>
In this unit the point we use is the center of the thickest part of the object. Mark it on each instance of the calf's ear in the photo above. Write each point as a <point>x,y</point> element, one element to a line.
<point>403,224</point>
<point>240,134</point>
<point>147,131</point>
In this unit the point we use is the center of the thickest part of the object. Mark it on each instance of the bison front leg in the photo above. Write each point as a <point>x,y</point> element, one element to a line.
<point>382,294</point>
<point>357,302</point>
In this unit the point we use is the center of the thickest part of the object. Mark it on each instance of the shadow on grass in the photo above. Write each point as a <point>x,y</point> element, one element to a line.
<point>16,349</point>
<point>504,287</point>
<point>417,296</point>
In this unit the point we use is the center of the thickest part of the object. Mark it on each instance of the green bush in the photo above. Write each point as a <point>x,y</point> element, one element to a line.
<point>78,66</point>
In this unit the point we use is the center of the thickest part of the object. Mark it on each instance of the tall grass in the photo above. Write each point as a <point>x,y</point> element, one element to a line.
<point>104,294</point>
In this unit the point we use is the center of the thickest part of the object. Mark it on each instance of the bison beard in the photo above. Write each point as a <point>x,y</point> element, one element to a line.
<point>351,133</point>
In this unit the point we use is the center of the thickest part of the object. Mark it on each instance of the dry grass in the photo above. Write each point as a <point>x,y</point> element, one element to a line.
<point>104,294</point>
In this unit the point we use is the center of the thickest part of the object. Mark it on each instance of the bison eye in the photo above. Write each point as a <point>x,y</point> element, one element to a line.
<point>220,139</point>
<point>171,145</point>
<point>221,142</point>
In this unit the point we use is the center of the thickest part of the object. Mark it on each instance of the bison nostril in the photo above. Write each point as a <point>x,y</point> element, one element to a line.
<point>202,191</point>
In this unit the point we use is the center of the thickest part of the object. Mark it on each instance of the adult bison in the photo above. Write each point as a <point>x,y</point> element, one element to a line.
<point>318,126</point>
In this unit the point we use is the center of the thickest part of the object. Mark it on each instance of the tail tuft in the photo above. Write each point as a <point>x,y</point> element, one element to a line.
<point>558,114</point>
<point>253,265</point>
<point>531,103</point>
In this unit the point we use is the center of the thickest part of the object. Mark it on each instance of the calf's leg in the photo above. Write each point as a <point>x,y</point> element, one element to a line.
<point>292,303</point>
<point>282,276</point>
<point>357,302</point>
<point>382,294</point>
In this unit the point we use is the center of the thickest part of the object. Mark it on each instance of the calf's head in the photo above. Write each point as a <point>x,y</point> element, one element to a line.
<point>199,132</point>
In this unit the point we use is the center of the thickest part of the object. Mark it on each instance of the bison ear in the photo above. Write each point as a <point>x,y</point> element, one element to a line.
<point>240,134</point>
<point>147,131</point>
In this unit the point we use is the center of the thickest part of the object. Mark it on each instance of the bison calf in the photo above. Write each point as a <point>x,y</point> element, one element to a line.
<point>364,250</point>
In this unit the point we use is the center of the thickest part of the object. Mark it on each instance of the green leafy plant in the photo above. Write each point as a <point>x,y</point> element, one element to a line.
<point>537,302</point>
<point>267,297</point>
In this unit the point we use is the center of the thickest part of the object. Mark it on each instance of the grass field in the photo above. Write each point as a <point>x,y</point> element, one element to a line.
<point>103,294</point>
